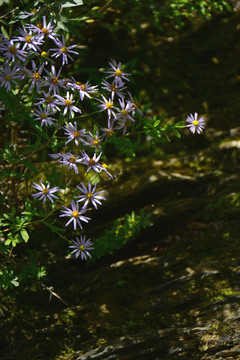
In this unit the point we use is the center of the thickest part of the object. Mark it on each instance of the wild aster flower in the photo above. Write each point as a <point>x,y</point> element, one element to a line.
<point>45,192</point>
<point>53,80</point>
<point>71,161</point>
<point>90,195</point>
<point>195,124</point>
<point>7,76</point>
<point>68,103</point>
<point>124,119</point>
<point>76,215</point>
<point>93,141</point>
<point>32,12</point>
<point>45,30</point>
<point>123,123</point>
<point>125,111</point>
<point>63,50</point>
<point>109,131</point>
<point>134,105</point>
<point>35,75</point>
<point>114,89</point>
<point>12,50</point>
<point>81,247</point>
<point>3,43</point>
<point>117,73</point>
<point>58,156</point>
<point>83,89</point>
<point>92,163</point>
<point>50,100</point>
<point>72,132</point>
<point>30,41</point>
<point>44,116</point>
<point>107,105</point>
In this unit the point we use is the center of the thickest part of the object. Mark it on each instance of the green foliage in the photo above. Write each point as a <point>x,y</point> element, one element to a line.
<point>181,9</point>
<point>8,279</point>
<point>124,229</point>
<point>124,145</point>
<point>11,277</point>
<point>158,129</point>
<point>225,206</point>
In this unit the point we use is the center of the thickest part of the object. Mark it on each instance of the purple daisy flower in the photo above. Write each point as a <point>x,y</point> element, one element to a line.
<point>45,192</point>
<point>76,215</point>
<point>195,124</point>
<point>117,73</point>
<point>81,247</point>
<point>73,133</point>
<point>90,195</point>
<point>63,50</point>
<point>71,161</point>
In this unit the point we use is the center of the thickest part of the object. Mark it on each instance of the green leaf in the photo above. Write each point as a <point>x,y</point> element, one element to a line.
<point>13,211</point>
<point>15,282</point>
<point>53,227</point>
<point>176,133</point>
<point>4,2</point>
<point>30,165</point>
<point>70,3</point>
<point>24,235</point>
<point>4,249</point>
<point>8,241</point>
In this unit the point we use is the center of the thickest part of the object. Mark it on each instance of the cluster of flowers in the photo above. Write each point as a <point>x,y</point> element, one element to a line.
<point>30,60</point>
<point>31,49</point>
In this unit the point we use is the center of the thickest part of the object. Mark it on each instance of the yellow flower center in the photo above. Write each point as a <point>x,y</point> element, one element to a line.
<point>113,88</point>
<point>28,38</point>
<point>91,162</point>
<point>45,31</point>
<point>45,191</point>
<point>36,76</point>
<point>124,112</point>
<point>76,134</point>
<point>104,166</point>
<point>72,159</point>
<point>12,49</point>
<point>110,132</point>
<point>49,99</point>
<point>81,248</point>
<point>95,142</point>
<point>8,77</point>
<point>109,105</point>
<point>75,214</point>
<point>195,122</point>
<point>39,25</point>
<point>33,11</point>
<point>64,49</point>
<point>44,53</point>
<point>68,102</point>
<point>118,72</point>
<point>54,80</point>
<point>89,195</point>
<point>43,116</point>
<point>82,87</point>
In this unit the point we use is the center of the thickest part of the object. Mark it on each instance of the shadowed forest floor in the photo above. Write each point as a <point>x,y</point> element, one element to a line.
<point>174,292</point>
